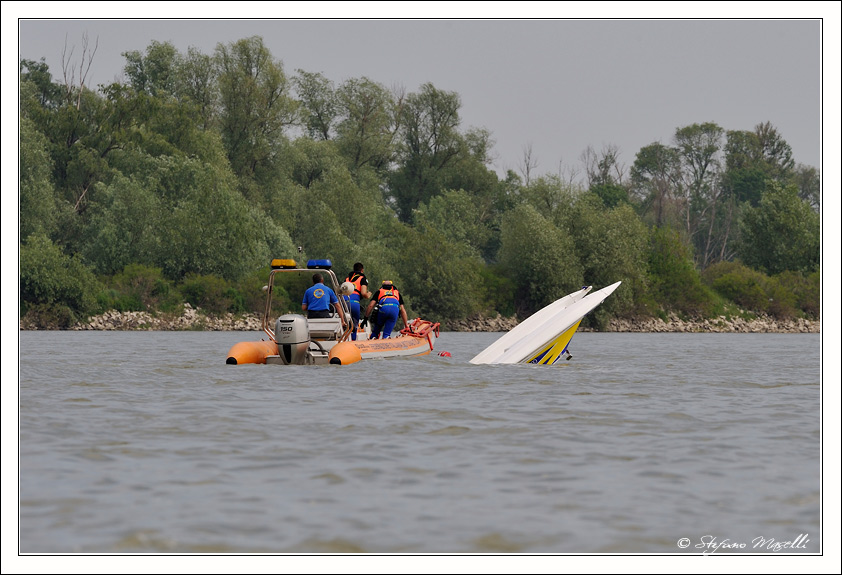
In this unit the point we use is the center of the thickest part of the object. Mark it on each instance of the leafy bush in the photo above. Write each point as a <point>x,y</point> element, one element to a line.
<point>251,294</point>
<point>740,284</point>
<point>211,293</point>
<point>805,291</point>
<point>113,299</point>
<point>786,295</point>
<point>782,302</point>
<point>675,282</point>
<point>56,287</point>
<point>140,288</point>
<point>499,290</point>
<point>809,298</point>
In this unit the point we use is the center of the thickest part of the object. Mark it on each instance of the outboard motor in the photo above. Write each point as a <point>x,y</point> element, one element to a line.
<point>293,336</point>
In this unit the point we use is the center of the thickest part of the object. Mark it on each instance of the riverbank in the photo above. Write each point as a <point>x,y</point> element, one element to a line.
<point>192,319</point>
<point>673,324</point>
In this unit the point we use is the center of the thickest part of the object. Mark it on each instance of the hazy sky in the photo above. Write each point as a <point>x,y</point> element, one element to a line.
<point>555,85</point>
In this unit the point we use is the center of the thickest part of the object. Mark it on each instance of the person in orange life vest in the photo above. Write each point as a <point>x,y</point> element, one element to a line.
<point>319,299</point>
<point>357,277</point>
<point>391,304</point>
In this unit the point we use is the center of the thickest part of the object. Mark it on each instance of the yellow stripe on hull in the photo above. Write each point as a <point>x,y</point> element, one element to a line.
<point>549,354</point>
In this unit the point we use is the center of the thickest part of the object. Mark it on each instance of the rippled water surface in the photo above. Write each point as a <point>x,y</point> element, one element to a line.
<point>147,442</point>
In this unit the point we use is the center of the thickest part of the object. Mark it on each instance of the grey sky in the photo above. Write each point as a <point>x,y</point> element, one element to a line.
<point>555,85</point>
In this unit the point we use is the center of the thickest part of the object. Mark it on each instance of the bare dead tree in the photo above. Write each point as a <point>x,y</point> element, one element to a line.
<point>567,174</point>
<point>399,97</point>
<point>603,168</point>
<point>589,160</point>
<point>729,254</point>
<point>70,70</point>
<point>528,163</point>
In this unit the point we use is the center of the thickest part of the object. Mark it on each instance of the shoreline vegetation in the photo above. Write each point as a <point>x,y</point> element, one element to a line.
<point>184,180</point>
<point>194,319</point>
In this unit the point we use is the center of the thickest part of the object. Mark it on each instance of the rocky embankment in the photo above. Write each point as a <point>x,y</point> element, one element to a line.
<point>192,319</point>
<point>673,324</point>
<point>719,325</point>
<point>479,323</point>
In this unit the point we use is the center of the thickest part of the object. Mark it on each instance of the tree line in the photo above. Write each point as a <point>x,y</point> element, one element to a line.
<point>183,180</point>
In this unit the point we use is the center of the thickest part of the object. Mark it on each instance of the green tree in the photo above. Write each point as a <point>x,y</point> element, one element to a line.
<point>539,257</point>
<point>775,152</point>
<point>319,107</point>
<point>210,229</point>
<point>656,183</point>
<point>611,195</point>
<point>698,146</point>
<point>255,104</point>
<point>739,284</point>
<point>81,133</point>
<point>431,142</point>
<point>315,227</point>
<point>471,172</point>
<point>441,278</point>
<point>305,161</point>
<point>37,202</point>
<point>808,180</point>
<point>457,216</point>
<point>197,85</point>
<point>613,245</point>
<point>123,226</point>
<point>356,207</point>
<point>366,131</point>
<point>781,234</point>
<point>44,93</point>
<point>156,72</point>
<point>754,158</point>
<point>549,196</point>
<point>744,177</point>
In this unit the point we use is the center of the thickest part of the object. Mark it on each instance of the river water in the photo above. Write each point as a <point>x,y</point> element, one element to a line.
<point>148,443</point>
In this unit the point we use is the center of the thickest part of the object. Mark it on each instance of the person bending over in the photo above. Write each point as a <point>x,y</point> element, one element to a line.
<point>391,305</point>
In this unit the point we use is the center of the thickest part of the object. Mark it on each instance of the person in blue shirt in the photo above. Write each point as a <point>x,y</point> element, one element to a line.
<point>319,299</point>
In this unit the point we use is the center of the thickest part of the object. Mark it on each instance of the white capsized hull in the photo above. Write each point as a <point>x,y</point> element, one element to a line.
<point>549,327</point>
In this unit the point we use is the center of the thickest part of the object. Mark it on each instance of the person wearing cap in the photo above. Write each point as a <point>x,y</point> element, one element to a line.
<point>391,305</point>
<point>357,277</point>
<point>318,300</point>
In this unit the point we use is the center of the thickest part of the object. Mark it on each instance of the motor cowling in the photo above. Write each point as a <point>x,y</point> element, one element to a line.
<point>292,334</point>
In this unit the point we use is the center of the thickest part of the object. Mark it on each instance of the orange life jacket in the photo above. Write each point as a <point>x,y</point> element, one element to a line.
<point>357,281</point>
<point>384,295</point>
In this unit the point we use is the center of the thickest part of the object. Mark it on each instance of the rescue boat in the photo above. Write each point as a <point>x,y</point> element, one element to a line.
<point>297,340</point>
<point>415,339</point>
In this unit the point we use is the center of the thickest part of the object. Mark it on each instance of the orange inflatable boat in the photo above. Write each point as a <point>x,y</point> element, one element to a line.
<point>297,340</point>
<point>415,339</point>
